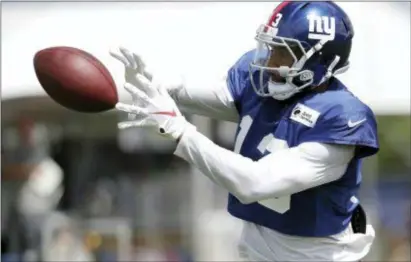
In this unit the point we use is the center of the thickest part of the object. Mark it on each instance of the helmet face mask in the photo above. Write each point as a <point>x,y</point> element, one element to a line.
<point>289,57</point>
<point>281,60</point>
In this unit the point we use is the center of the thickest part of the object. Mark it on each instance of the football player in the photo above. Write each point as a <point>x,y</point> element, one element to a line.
<point>295,171</point>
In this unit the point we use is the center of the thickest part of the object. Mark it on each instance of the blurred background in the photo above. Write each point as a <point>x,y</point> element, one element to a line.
<point>74,188</point>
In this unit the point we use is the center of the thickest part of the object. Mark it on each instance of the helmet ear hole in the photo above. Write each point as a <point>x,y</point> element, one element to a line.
<point>298,82</point>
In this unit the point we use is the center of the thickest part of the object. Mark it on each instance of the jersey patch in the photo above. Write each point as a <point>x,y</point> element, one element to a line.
<point>304,115</point>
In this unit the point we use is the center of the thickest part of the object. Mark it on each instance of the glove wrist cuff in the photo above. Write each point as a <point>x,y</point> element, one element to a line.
<point>175,127</point>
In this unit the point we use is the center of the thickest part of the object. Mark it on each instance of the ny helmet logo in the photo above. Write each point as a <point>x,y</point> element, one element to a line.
<point>321,27</point>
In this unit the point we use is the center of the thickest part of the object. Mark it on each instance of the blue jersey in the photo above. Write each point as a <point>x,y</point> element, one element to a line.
<point>334,116</point>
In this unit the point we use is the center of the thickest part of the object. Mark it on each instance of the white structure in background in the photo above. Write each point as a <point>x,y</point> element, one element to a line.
<point>197,37</point>
<point>43,189</point>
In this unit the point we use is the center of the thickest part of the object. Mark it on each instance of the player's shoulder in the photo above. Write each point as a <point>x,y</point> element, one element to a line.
<point>336,116</point>
<point>241,66</point>
<point>337,102</point>
<point>238,78</point>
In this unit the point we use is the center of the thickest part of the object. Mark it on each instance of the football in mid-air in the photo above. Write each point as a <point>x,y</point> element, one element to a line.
<point>75,79</point>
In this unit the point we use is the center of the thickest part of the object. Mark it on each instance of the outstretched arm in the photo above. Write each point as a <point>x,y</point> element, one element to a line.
<point>209,97</point>
<point>278,174</point>
<point>202,95</point>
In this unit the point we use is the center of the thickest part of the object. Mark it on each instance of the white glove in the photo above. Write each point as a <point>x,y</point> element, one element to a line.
<point>135,65</point>
<point>152,105</point>
<point>160,111</point>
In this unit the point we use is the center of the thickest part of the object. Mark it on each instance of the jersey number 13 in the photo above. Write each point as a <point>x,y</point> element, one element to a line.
<point>268,143</point>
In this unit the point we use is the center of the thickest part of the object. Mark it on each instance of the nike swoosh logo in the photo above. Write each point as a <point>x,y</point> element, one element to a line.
<point>167,113</point>
<point>356,123</point>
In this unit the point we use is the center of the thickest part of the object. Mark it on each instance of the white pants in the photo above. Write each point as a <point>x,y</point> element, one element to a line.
<point>259,243</point>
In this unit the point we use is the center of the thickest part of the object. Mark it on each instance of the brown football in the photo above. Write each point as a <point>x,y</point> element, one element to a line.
<point>75,79</point>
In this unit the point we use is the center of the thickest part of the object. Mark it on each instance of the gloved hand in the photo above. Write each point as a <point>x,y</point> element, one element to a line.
<point>135,65</point>
<point>160,111</point>
<point>152,105</point>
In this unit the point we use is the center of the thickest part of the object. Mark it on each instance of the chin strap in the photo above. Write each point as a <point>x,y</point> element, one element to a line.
<point>330,68</point>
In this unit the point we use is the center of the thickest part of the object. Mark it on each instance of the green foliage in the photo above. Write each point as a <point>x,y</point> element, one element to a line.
<point>395,142</point>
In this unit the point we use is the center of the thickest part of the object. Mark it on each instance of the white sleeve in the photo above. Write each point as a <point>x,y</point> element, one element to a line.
<point>280,173</point>
<point>208,97</point>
